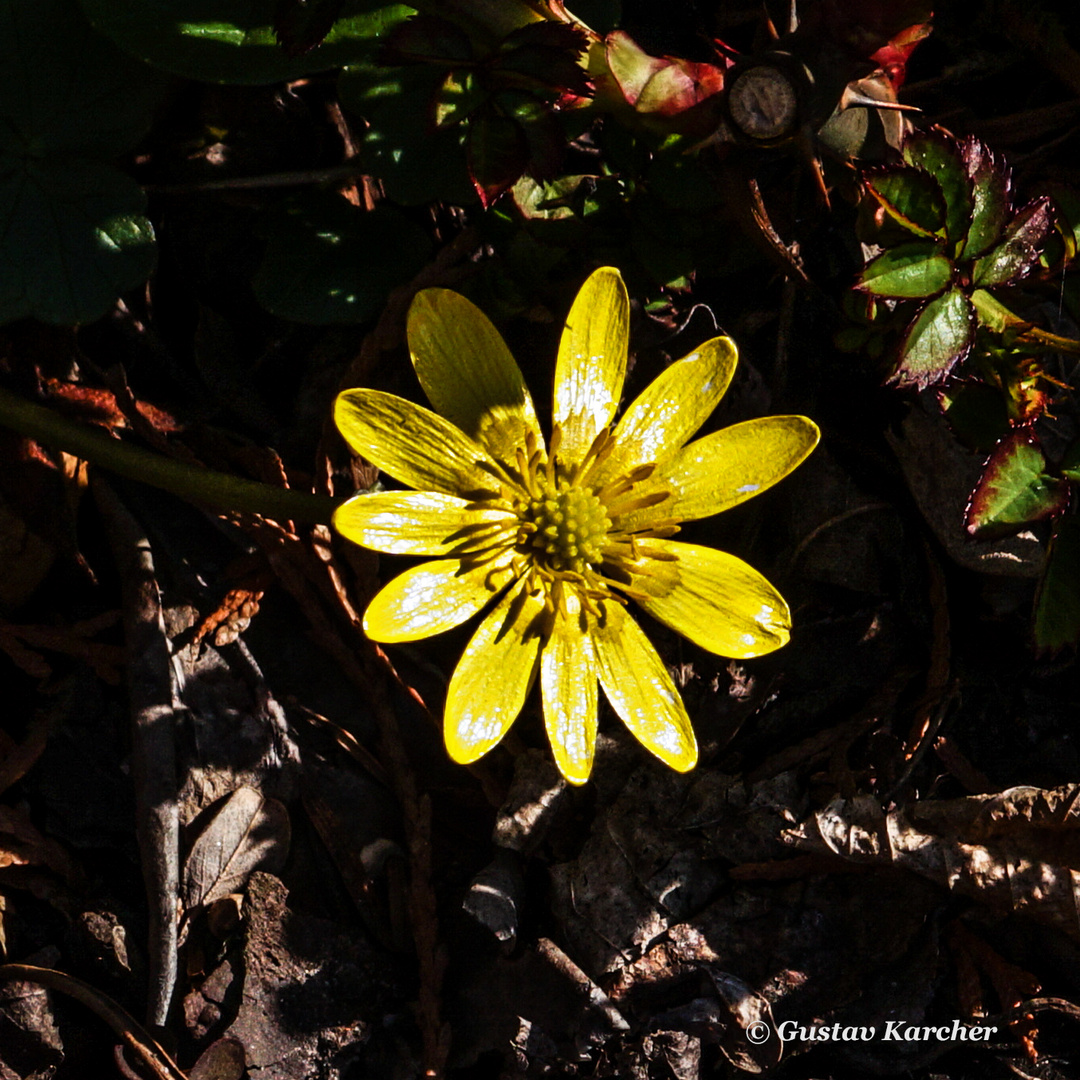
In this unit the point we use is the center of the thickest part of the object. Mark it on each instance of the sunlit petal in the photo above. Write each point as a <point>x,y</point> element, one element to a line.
<point>411,443</point>
<point>726,468</point>
<point>431,598</point>
<point>568,689</point>
<point>493,677</point>
<point>640,689</point>
<point>715,600</point>
<point>468,373</point>
<point>672,407</point>
<point>591,367</point>
<point>419,523</point>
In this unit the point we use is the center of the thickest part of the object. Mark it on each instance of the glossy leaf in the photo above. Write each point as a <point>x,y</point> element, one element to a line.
<point>991,180</point>
<point>328,261</point>
<point>428,39</point>
<point>1014,489</point>
<point>457,97</point>
<point>233,41</point>
<point>659,84</point>
<point>942,158</point>
<point>911,197</point>
<point>1057,605</point>
<point>1070,463</point>
<point>937,339</point>
<point>1019,249</point>
<point>907,271</point>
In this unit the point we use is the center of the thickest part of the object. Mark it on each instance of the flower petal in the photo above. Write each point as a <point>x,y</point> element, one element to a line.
<point>725,468</point>
<point>411,443</point>
<point>432,598</point>
<point>672,407</point>
<point>418,523</point>
<point>591,367</point>
<point>568,688</point>
<point>468,373</point>
<point>716,600</point>
<point>640,689</point>
<point>493,676</point>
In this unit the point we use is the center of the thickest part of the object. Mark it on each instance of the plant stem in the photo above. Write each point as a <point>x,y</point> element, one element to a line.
<point>191,482</point>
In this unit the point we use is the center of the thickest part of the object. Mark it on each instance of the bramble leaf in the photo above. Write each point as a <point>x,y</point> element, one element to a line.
<point>910,196</point>
<point>497,152</point>
<point>991,180</point>
<point>937,339</point>
<point>1019,249</point>
<point>1014,489</point>
<point>907,271</point>
<point>943,159</point>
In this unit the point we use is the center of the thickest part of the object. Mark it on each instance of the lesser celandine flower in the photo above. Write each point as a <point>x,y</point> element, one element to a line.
<point>556,536</point>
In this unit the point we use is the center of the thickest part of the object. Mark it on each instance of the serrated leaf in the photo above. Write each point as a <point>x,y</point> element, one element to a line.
<point>245,833</point>
<point>943,159</point>
<point>233,41</point>
<point>428,38</point>
<point>1057,605</point>
<point>911,197</point>
<point>991,180</point>
<point>907,271</point>
<point>328,261</point>
<point>498,153</point>
<point>937,339</point>
<point>1014,489</point>
<point>1019,249</point>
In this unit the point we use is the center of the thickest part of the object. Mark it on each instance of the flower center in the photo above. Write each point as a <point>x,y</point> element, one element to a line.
<point>571,526</point>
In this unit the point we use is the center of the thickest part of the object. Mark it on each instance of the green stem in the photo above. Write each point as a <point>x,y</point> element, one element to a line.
<point>191,482</point>
<point>995,316</point>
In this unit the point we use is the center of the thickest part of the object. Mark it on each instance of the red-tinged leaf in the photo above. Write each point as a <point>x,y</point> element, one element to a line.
<point>1019,249</point>
<point>907,271</point>
<point>941,156</point>
<point>659,86</point>
<point>1057,604</point>
<point>566,37</point>
<point>427,39</point>
<point>498,153</point>
<point>892,57</point>
<point>991,182</point>
<point>937,339</point>
<point>864,26</point>
<point>910,196</point>
<point>301,25</point>
<point>1014,489</point>
<point>543,69</point>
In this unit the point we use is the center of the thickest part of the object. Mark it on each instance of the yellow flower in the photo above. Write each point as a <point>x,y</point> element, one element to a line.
<point>560,535</point>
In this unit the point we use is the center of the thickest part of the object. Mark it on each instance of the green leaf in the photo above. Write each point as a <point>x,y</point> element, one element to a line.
<point>233,41</point>
<point>1019,249</point>
<point>1057,605</point>
<point>937,339</point>
<point>1014,489</point>
<point>66,89</point>
<point>942,157</point>
<point>301,25</point>
<point>328,261</point>
<point>910,196</point>
<point>457,96</point>
<point>72,231</point>
<point>907,271</point>
<point>416,163</point>
<point>990,179</point>
<point>73,238</point>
